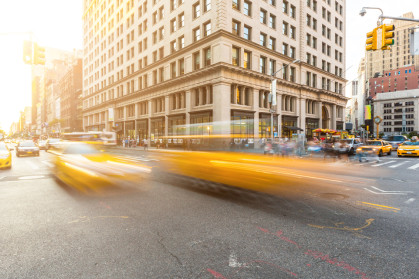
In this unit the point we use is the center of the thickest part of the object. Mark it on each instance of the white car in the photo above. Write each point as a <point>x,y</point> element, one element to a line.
<point>348,145</point>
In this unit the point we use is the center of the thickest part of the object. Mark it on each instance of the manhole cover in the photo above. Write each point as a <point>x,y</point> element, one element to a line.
<point>333,196</point>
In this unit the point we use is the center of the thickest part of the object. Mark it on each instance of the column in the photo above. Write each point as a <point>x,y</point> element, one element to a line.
<point>255,107</point>
<point>149,108</point>
<point>234,93</point>
<point>201,94</point>
<point>208,88</point>
<point>221,111</point>
<point>188,107</point>
<point>319,113</point>
<point>333,118</point>
<point>166,113</point>
<point>279,112</point>
<point>302,115</point>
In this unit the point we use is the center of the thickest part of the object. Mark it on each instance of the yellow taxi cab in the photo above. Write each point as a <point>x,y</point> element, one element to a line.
<point>90,171</point>
<point>375,147</point>
<point>408,148</point>
<point>5,156</point>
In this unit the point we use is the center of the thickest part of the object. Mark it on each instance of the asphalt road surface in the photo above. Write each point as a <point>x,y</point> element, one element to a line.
<point>170,228</point>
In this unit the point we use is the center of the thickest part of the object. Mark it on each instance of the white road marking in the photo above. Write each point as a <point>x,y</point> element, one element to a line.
<point>1,177</point>
<point>232,261</point>
<point>410,200</point>
<point>413,167</point>
<point>377,165</point>
<point>31,177</point>
<point>398,165</point>
<point>383,192</point>
<point>35,167</point>
<point>48,163</point>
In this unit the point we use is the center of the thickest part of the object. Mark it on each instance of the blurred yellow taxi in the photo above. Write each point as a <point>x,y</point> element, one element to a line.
<point>5,156</point>
<point>89,170</point>
<point>375,147</point>
<point>259,173</point>
<point>408,148</point>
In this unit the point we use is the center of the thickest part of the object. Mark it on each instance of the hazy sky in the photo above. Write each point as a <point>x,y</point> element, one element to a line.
<point>58,24</point>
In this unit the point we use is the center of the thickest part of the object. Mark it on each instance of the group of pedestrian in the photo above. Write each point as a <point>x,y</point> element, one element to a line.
<point>129,142</point>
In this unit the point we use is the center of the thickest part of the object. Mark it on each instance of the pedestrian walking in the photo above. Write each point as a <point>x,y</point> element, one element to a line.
<point>145,144</point>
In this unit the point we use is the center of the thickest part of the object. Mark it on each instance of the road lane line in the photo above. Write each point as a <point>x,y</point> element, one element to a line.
<point>377,165</point>
<point>413,167</point>
<point>398,165</point>
<point>30,177</point>
<point>382,207</point>
<point>409,201</point>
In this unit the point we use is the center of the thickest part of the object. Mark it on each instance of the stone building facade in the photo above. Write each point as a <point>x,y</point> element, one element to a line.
<point>170,68</point>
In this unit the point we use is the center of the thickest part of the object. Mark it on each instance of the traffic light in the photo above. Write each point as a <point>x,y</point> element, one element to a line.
<point>27,52</point>
<point>387,36</point>
<point>38,55</point>
<point>372,42</point>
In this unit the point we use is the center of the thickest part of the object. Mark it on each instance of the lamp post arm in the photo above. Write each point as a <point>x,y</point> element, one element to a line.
<point>397,18</point>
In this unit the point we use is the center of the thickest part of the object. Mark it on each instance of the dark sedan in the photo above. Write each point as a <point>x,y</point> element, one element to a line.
<point>27,147</point>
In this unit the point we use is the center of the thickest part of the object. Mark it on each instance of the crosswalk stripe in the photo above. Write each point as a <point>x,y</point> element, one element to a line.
<point>35,167</point>
<point>377,165</point>
<point>398,165</point>
<point>413,167</point>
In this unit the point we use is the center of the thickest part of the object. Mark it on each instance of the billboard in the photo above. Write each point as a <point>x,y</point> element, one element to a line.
<point>367,112</point>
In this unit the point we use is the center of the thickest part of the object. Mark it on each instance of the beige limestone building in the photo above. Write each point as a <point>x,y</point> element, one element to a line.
<point>204,67</point>
<point>399,55</point>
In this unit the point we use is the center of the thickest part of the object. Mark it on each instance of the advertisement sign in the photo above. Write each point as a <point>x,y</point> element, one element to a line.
<point>111,114</point>
<point>368,112</point>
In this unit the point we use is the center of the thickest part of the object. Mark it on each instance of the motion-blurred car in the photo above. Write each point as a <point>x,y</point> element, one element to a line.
<point>89,170</point>
<point>27,147</point>
<point>349,146</point>
<point>375,147</point>
<point>5,156</point>
<point>42,144</point>
<point>408,148</point>
<point>395,141</point>
<point>53,144</point>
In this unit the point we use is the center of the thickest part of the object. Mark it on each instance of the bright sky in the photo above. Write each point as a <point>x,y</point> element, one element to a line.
<point>58,24</point>
<point>54,23</point>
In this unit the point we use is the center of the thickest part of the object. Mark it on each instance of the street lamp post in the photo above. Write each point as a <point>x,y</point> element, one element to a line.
<point>273,96</point>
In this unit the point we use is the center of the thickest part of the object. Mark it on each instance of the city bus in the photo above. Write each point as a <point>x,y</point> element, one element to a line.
<point>103,138</point>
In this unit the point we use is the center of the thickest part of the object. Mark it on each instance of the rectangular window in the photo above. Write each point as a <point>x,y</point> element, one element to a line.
<point>197,34</point>
<point>197,60</point>
<point>236,4</point>
<point>271,66</point>
<point>292,32</point>
<point>181,19</point>
<point>235,56</point>
<point>285,28</point>
<point>292,52</point>
<point>263,16</point>
<point>196,10</point>
<point>292,11</point>
<point>262,65</point>
<point>207,5</point>
<point>247,32</point>
<point>173,69</point>
<point>181,42</point>
<point>235,28</point>
<point>272,43</point>
<point>247,8</point>
<point>181,63</point>
<point>207,54</point>
<point>285,7</point>
<point>285,49</point>
<point>263,39</point>
<point>207,29</point>
<point>272,21</point>
<point>246,59</point>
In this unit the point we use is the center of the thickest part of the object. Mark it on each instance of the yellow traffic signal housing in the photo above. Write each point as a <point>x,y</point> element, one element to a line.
<point>387,36</point>
<point>27,52</point>
<point>38,55</point>
<point>371,43</point>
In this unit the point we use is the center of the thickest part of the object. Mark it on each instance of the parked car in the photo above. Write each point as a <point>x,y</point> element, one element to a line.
<point>27,147</point>
<point>395,141</point>
<point>349,146</point>
<point>5,156</point>
<point>52,144</point>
